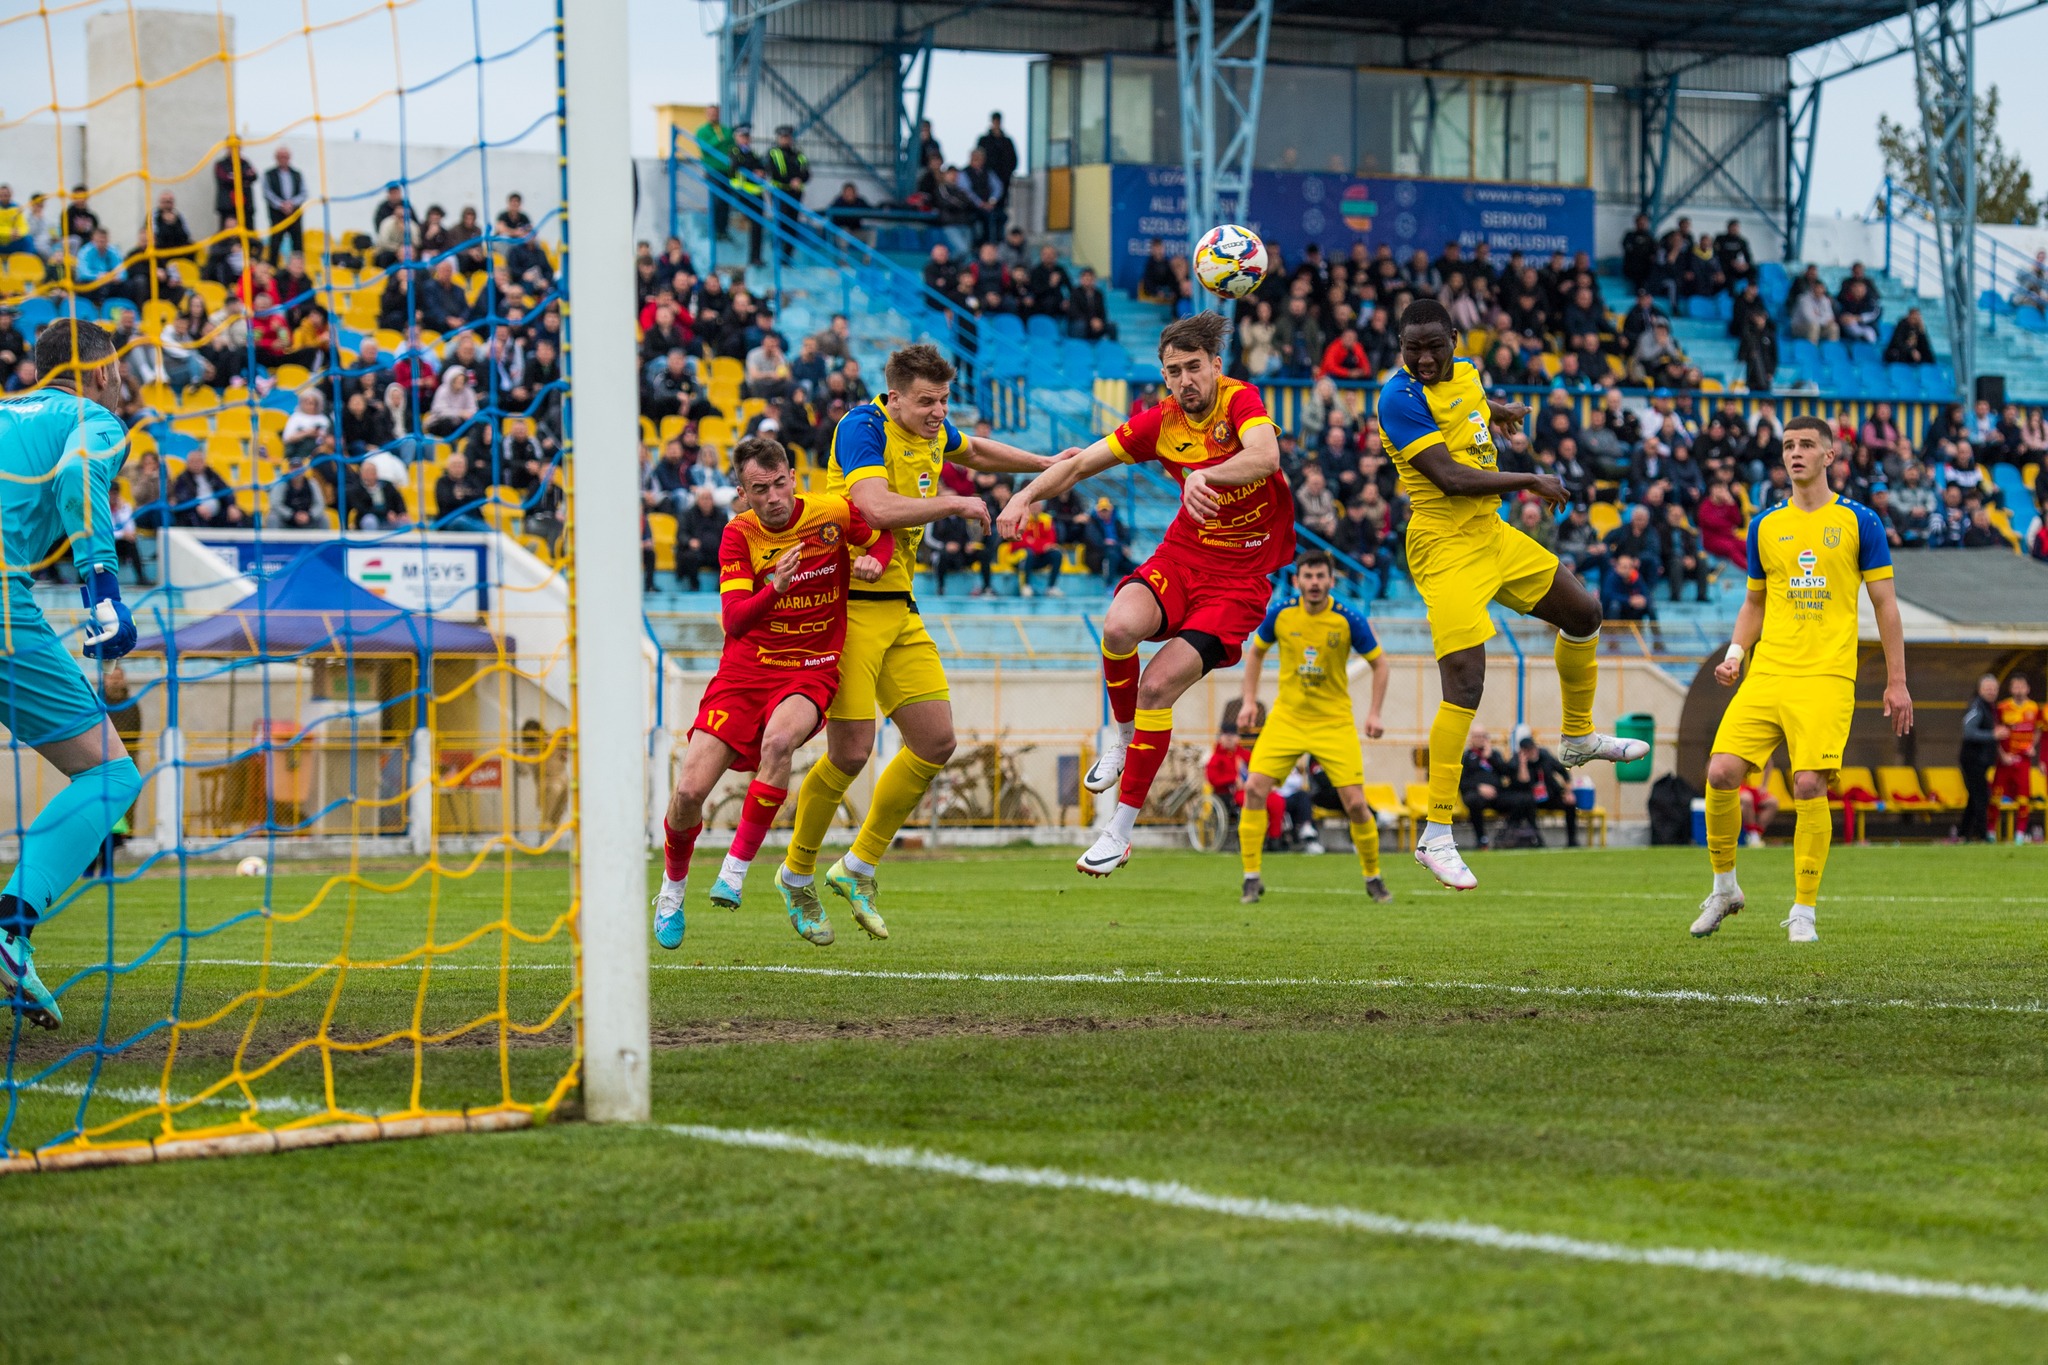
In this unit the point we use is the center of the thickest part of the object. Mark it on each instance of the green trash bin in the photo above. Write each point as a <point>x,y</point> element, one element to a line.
<point>1637,725</point>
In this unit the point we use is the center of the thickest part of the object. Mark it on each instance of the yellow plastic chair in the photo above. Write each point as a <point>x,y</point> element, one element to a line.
<point>1946,786</point>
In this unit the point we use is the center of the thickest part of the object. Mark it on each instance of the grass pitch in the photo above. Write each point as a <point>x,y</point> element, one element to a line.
<point>1550,1054</point>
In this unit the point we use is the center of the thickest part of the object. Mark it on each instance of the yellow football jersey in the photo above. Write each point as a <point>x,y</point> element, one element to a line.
<point>1809,566</point>
<point>1415,416</point>
<point>1315,655</point>
<point>867,445</point>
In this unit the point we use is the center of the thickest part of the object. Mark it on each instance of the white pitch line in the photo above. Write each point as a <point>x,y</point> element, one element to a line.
<point>1173,1194</point>
<point>141,1094</point>
<point>1679,995</point>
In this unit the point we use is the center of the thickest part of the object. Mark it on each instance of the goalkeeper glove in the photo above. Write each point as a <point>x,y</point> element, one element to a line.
<point>109,629</point>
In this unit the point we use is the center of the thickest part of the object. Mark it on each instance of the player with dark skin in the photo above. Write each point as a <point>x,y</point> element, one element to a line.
<point>1427,350</point>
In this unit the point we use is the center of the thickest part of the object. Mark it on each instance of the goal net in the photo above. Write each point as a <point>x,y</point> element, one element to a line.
<point>330,244</point>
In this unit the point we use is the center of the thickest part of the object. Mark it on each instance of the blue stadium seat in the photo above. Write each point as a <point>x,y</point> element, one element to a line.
<point>35,312</point>
<point>1834,354</point>
<point>1698,306</point>
<point>1773,283</point>
<point>1872,382</point>
<point>1008,326</point>
<point>1042,325</point>
<point>1144,372</point>
<point>1112,361</point>
<point>1804,355</point>
<point>1993,302</point>
<point>1905,380</point>
<point>281,399</point>
<point>1077,365</point>
<point>2030,319</point>
<point>2018,496</point>
<point>1941,383</point>
<point>1862,353</point>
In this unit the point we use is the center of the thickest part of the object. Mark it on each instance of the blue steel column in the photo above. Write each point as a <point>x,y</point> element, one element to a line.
<point>1945,71</point>
<point>1802,123</point>
<point>1207,63</point>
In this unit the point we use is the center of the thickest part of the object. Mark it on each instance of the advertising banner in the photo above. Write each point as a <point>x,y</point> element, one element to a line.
<point>1290,209</point>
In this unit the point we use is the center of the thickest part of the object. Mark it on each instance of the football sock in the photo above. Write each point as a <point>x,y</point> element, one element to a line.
<point>817,799</point>
<point>1810,838</point>
<point>1724,827</point>
<point>1276,814</point>
<point>1120,676</point>
<point>676,847</point>
<point>858,865</point>
<point>1447,759</point>
<point>763,802</point>
<point>733,871</point>
<point>1578,676</point>
<point>1725,881</point>
<point>1251,837</point>
<point>1123,821</point>
<point>1148,750</point>
<point>899,788</point>
<point>1366,839</point>
<point>66,837</point>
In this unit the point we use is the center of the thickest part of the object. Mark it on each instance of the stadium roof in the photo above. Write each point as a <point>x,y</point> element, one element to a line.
<point>1749,27</point>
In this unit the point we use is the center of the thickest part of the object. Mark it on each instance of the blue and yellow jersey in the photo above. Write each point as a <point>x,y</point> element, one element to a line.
<point>1809,566</point>
<point>867,445</point>
<point>1315,655</point>
<point>1414,416</point>
<point>59,454</point>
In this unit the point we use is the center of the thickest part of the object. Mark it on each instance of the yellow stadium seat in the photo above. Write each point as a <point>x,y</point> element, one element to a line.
<point>1605,516</point>
<point>200,427</point>
<point>662,527</point>
<point>672,427</point>
<point>714,431</point>
<point>216,295</point>
<point>2028,473</point>
<point>160,397</point>
<point>234,420</point>
<point>1774,783</point>
<point>648,435</point>
<point>292,377</point>
<point>26,268</point>
<point>157,315</point>
<point>1945,785</point>
<point>726,370</point>
<point>1381,796</point>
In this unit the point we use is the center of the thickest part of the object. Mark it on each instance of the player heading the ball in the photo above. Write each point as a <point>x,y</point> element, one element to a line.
<point>1207,585</point>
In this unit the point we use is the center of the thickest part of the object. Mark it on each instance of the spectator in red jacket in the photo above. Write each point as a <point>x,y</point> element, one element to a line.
<point>1723,528</point>
<point>1040,542</point>
<point>1344,358</point>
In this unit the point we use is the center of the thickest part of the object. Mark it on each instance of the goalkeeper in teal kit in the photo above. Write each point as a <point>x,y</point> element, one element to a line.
<point>60,449</point>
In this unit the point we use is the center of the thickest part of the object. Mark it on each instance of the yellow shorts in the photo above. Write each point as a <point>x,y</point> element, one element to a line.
<point>1459,573</point>
<point>1334,744</point>
<point>1809,715</point>
<point>889,661</point>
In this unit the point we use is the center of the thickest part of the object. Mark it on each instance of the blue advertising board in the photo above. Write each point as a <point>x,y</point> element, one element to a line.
<point>1290,209</point>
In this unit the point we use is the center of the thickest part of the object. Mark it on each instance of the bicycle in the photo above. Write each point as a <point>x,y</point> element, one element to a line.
<point>985,786</point>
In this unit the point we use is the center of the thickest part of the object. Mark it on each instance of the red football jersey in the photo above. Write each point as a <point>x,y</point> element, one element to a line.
<point>1254,532</point>
<point>2022,719</point>
<point>806,627</point>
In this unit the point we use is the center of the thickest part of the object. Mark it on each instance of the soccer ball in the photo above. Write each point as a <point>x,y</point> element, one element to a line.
<point>1230,261</point>
<point>251,866</point>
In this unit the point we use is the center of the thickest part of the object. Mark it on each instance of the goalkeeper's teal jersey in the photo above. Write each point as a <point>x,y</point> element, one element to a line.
<point>59,455</point>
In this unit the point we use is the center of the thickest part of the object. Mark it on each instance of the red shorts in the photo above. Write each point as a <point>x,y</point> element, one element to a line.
<point>737,705</point>
<point>1193,596</point>
<point>2012,781</point>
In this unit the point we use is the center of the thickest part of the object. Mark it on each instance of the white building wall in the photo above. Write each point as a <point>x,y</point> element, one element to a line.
<point>164,137</point>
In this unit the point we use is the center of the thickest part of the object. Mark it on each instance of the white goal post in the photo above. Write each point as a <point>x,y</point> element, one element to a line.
<point>611,723</point>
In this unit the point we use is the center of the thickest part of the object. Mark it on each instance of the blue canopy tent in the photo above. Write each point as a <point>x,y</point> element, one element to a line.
<point>312,609</point>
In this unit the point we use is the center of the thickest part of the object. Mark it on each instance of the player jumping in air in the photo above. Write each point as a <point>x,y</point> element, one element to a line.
<point>60,448</point>
<point>1318,637</point>
<point>783,569</point>
<point>1797,628</point>
<point>1207,585</point>
<point>886,460</point>
<point>1436,423</point>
